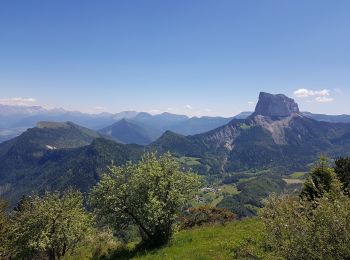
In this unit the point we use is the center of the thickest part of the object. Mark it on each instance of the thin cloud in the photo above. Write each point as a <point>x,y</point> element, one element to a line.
<point>304,93</point>
<point>322,96</point>
<point>324,99</point>
<point>18,101</point>
<point>189,107</point>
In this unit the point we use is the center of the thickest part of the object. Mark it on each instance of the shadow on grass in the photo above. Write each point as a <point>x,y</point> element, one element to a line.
<point>126,252</point>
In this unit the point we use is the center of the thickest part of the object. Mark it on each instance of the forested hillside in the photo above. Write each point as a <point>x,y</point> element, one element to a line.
<point>265,149</point>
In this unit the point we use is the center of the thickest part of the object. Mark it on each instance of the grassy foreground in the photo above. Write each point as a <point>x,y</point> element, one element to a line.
<point>210,242</point>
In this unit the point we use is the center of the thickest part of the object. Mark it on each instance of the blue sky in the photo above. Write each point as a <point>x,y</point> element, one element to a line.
<point>199,57</point>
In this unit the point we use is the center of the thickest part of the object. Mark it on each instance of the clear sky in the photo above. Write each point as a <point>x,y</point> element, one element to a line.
<point>199,57</point>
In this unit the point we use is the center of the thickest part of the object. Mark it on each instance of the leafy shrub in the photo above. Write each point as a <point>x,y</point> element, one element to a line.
<point>297,230</point>
<point>315,225</point>
<point>205,215</point>
<point>52,226</point>
<point>3,227</point>
<point>319,182</point>
<point>342,170</point>
<point>148,194</point>
<point>98,245</point>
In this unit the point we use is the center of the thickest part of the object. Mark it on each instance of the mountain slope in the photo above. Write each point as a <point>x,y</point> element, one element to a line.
<point>276,136</point>
<point>58,155</point>
<point>128,132</point>
<point>319,117</point>
<point>145,128</point>
<point>160,121</point>
<point>29,148</point>
<point>197,125</point>
<point>58,169</point>
<point>54,135</point>
<point>179,123</point>
<point>15,119</point>
<point>55,156</point>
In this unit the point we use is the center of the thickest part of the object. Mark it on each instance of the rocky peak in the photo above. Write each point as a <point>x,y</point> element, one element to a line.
<point>275,106</point>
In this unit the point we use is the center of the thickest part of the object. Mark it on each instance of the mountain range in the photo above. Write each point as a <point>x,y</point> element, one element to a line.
<point>128,132</point>
<point>14,120</point>
<point>55,156</point>
<point>137,127</point>
<point>276,135</point>
<point>319,117</point>
<point>276,138</point>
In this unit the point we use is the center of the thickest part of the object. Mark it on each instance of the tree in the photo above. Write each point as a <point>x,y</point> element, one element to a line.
<point>298,230</point>
<point>320,181</point>
<point>342,170</point>
<point>314,225</point>
<point>52,225</point>
<point>148,194</point>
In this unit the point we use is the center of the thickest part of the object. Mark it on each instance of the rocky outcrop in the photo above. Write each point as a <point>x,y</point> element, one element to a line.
<point>275,106</point>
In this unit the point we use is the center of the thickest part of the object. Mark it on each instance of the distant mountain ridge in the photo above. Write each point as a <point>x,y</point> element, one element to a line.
<point>145,128</point>
<point>128,132</point>
<point>275,135</point>
<point>14,120</point>
<point>56,155</point>
<point>319,117</point>
<point>328,118</point>
<point>46,136</point>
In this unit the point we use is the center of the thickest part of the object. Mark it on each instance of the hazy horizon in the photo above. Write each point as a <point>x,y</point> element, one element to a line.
<point>24,103</point>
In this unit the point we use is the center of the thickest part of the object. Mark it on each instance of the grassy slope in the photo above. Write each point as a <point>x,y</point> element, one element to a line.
<point>211,242</point>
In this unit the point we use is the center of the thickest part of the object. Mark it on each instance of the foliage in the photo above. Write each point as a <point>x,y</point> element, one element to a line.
<point>148,194</point>
<point>342,170</point>
<point>297,230</point>
<point>52,225</point>
<point>320,181</point>
<point>252,192</point>
<point>27,163</point>
<point>314,225</point>
<point>98,245</point>
<point>205,215</point>
<point>253,248</point>
<point>62,168</point>
<point>3,227</point>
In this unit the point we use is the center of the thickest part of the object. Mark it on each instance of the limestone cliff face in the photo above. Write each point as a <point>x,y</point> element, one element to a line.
<point>275,106</point>
<point>274,113</point>
<point>225,135</point>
